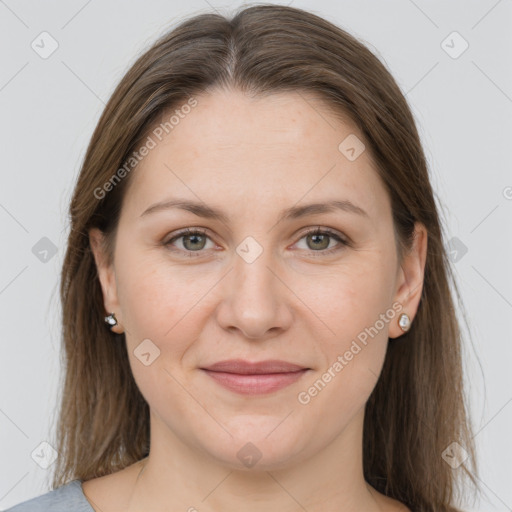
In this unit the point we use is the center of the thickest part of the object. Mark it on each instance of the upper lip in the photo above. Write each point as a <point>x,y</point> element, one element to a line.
<point>242,367</point>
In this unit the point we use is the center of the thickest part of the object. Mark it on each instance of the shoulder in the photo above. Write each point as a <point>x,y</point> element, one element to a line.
<point>63,499</point>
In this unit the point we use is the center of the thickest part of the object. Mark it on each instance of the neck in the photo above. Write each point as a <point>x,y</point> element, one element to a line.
<point>178,477</point>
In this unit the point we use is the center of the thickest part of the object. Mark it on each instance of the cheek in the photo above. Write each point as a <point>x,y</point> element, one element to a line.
<point>356,306</point>
<point>158,308</point>
<point>167,304</point>
<point>158,297</point>
<point>160,303</point>
<point>353,356</point>
<point>353,296</point>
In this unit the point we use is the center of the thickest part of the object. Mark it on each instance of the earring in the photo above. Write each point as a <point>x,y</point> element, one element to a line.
<point>111,320</point>
<point>404,322</point>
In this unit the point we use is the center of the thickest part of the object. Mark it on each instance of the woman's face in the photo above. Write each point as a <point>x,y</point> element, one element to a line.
<point>257,284</point>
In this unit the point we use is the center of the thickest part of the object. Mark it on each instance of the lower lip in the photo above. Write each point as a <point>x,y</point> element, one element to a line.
<point>255,384</point>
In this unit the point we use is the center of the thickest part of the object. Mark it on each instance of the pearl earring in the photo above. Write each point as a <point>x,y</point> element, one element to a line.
<point>111,320</point>
<point>404,322</point>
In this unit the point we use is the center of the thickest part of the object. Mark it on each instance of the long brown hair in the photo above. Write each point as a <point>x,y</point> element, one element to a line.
<point>418,407</point>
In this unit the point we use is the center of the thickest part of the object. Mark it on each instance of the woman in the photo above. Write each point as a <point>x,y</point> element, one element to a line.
<point>306,354</point>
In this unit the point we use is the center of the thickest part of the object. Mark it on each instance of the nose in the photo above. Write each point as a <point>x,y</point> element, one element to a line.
<point>255,299</point>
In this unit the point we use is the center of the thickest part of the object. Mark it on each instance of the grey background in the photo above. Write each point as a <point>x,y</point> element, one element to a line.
<point>49,108</point>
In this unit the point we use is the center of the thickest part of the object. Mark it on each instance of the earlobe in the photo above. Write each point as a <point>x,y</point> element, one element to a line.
<point>410,282</point>
<point>106,275</point>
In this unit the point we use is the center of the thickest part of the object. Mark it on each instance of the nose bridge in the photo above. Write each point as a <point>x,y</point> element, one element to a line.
<point>251,272</point>
<point>255,302</point>
<point>254,282</point>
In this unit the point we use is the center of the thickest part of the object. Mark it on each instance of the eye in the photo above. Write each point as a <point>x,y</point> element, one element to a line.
<point>318,240</point>
<point>195,241</point>
<point>192,240</point>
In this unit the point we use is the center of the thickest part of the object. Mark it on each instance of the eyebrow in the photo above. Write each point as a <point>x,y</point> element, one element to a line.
<point>207,212</point>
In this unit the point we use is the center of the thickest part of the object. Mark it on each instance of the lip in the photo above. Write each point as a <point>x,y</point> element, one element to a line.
<point>255,378</point>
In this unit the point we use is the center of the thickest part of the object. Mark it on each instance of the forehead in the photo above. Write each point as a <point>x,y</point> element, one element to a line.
<point>281,146</point>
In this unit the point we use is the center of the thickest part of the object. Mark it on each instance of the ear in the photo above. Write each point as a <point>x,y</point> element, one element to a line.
<point>410,278</point>
<point>106,274</point>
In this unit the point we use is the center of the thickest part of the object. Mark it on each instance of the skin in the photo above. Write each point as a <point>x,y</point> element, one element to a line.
<point>252,158</point>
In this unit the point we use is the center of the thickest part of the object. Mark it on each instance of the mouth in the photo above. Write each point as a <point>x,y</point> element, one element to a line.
<point>248,378</point>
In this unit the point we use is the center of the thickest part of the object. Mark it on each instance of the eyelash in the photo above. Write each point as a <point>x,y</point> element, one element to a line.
<point>316,231</point>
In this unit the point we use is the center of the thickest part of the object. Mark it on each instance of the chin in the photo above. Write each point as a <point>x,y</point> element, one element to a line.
<point>255,450</point>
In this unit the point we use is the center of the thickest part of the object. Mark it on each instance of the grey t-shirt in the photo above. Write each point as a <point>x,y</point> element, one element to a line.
<point>67,498</point>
